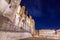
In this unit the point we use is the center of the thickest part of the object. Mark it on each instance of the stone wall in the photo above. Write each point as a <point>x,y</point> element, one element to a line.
<point>14,35</point>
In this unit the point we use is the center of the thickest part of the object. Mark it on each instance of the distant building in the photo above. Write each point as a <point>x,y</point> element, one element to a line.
<point>36,33</point>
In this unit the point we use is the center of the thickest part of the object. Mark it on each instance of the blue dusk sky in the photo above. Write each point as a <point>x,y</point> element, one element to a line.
<point>46,13</point>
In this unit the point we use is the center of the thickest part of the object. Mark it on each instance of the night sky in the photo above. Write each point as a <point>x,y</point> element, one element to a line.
<point>46,13</point>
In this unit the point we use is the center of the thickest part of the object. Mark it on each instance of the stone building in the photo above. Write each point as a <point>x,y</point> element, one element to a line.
<point>46,32</point>
<point>15,17</point>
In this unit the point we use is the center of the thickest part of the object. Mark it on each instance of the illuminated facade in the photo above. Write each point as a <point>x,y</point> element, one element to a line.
<point>15,21</point>
<point>17,16</point>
